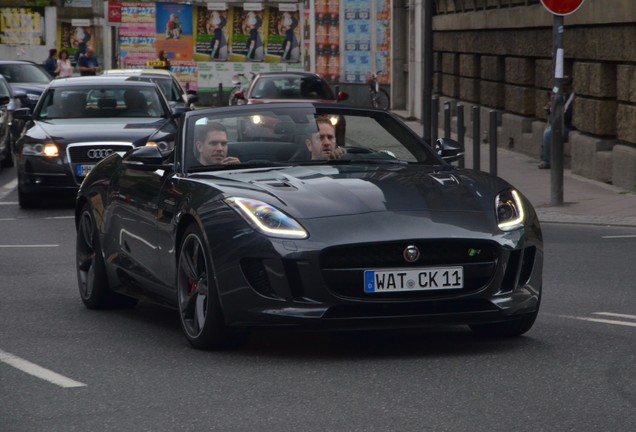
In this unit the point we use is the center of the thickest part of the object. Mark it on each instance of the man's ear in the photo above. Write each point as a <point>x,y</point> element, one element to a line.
<point>308,144</point>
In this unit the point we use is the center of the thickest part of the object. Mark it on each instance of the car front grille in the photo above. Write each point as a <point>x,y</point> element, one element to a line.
<point>343,267</point>
<point>93,153</point>
<point>83,156</point>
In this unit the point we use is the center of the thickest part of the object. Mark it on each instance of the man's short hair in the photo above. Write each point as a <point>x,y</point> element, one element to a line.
<point>202,131</point>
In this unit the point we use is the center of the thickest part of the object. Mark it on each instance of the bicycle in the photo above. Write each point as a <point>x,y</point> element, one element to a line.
<point>379,97</point>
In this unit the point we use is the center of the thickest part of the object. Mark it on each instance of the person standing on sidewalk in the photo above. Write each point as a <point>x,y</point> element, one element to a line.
<point>568,95</point>
<point>64,67</point>
<point>88,63</point>
<point>50,64</point>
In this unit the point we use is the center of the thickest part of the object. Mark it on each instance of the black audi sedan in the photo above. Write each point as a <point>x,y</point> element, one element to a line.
<point>263,216</point>
<point>78,122</point>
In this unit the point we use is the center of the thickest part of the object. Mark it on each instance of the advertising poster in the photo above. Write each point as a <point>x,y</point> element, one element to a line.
<point>247,33</point>
<point>328,39</point>
<point>175,36</point>
<point>174,31</point>
<point>283,39</point>
<point>213,33</point>
<point>383,40</point>
<point>357,41</point>
<point>137,34</point>
<point>75,39</point>
<point>22,26</point>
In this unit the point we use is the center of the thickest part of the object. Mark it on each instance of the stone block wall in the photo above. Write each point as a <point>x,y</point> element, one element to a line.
<point>512,70</point>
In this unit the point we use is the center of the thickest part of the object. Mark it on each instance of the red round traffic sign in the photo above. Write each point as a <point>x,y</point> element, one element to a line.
<point>562,7</point>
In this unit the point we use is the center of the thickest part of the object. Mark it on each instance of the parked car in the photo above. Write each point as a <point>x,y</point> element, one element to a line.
<point>8,104</point>
<point>288,86</point>
<point>81,120</point>
<point>177,97</point>
<point>388,234</point>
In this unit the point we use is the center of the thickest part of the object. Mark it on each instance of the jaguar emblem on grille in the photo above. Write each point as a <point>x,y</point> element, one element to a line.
<point>98,153</point>
<point>411,253</point>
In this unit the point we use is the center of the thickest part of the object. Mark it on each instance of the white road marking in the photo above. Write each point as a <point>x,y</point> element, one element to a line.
<point>615,315</point>
<point>38,371</point>
<point>619,236</point>
<point>12,184</point>
<point>30,246</point>
<point>8,202</point>
<point>599,320</point>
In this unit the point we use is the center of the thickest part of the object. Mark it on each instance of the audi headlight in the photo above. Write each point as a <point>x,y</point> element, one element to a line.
<point>510,212</point>
<point>41,149</point>
<point>33,97</point>
<point>267,219</point>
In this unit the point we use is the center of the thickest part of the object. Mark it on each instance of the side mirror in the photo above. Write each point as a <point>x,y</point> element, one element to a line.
<point>146,158</point>
<point>449,150</point>
<point>192,97</point>
<point>4,100</point>
<point>22,114</point>
<point>19,94</point>
<point>342,96</point>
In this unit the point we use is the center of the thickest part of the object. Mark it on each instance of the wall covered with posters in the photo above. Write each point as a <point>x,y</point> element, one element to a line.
<point>22,26</point>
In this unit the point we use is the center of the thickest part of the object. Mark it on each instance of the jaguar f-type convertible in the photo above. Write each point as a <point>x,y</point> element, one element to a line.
<point>307,216</point>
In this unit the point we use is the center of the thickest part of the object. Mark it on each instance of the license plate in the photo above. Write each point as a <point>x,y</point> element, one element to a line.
<point>82,170</point>
<point>422,279</point>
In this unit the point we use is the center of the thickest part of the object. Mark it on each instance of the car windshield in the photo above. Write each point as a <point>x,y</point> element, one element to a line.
<point>299,136</point>
<point>168,86</point>
<point>291,87</point>
<point>24,73</point>
<point>111,101</point>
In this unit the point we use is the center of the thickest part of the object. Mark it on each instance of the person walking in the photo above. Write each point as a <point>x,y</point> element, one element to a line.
<point>568,95</point>
<point>50,64</point>
<point>64,67</point>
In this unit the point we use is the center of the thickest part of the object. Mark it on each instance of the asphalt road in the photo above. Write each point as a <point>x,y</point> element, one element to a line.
<point>65,368</point>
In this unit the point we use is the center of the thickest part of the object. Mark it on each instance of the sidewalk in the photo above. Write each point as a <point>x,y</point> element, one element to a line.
<point>585,200</point>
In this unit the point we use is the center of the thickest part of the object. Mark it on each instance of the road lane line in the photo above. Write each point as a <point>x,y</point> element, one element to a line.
<point>30,246</point>
<point>599,320</point>
<point>619,236</point>
<point>615,315</point>
<point>38,371</point>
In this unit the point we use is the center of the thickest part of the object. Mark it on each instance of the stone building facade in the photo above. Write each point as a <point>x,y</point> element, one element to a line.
<point>497,54</point>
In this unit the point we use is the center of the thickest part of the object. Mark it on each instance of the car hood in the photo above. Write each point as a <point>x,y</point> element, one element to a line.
<point>35,88</point>
<point>322,191</point>
<point>108,129</point>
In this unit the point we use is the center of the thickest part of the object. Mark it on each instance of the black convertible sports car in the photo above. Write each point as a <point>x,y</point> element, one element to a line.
<point>381,232</point>
<point>79,121</point>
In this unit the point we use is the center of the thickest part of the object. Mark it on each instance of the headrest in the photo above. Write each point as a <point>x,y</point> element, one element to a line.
<point>107,103</point>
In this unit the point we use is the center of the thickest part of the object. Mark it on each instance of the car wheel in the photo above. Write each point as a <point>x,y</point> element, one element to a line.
<point>91,270</point>
<point>199,305</point>
<point>28,200</point>
<point>7,162</point>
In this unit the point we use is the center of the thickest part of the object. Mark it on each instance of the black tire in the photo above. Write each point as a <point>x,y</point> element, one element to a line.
<point>91,271</point>
<point>8,162</point>
<point>199,306</point>
<point>381,100</point>
<point>28,200</point>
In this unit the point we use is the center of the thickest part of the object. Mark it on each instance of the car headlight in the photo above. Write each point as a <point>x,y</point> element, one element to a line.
<point>266,218</point>
<point>510,212</point>
<point>33,97</point>
<point>41,149</point>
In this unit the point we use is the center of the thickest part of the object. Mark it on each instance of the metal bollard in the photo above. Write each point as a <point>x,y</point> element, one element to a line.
<point>219,99</point>
<point>492,133</point>
<point>447,120</point>
<point>476,135</point>
<point>461,130</point>
<point>434,122</point>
